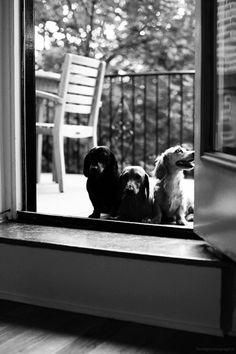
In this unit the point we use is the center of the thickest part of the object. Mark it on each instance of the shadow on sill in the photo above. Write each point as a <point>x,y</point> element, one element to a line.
<point>170,230</point>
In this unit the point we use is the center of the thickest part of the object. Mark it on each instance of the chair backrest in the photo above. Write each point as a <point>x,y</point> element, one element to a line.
<point>81,85</point>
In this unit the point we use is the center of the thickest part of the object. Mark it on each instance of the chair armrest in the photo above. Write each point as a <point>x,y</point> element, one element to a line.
<point>49,96</point>
<point>48,75</point>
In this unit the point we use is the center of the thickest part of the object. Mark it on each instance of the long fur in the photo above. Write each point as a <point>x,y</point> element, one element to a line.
<point>135,204</point>
<point>101,169</point>
<point>171,201</point>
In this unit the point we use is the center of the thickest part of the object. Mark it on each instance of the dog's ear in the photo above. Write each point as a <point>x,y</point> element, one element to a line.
<point>122,182</point>
<point>113,166</point>
<point>160,167</point>
<point>87,163</point>
<point>146,185</point>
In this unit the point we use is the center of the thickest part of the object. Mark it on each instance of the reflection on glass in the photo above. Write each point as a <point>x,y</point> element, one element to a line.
<point>226,77</point>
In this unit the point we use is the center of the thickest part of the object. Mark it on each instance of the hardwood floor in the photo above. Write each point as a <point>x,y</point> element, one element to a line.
<point>35,330</point>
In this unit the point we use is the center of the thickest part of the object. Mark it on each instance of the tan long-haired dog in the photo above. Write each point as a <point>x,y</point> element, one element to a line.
<point>170,199</point>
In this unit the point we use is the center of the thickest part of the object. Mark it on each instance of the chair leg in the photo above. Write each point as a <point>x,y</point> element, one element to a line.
<point>39,155</point>
<point>58,148</point>
<point>54,171</point>
<point>40,139</point>
<point>94,140</point>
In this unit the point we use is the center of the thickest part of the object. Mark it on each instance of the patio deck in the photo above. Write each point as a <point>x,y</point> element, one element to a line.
<point>75,200</point>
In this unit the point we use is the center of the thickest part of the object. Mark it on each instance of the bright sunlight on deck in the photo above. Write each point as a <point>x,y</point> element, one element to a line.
<point>75,200</point>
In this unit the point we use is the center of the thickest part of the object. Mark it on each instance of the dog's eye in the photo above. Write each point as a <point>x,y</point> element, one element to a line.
<point>179,150</point>
<point>137,176</point>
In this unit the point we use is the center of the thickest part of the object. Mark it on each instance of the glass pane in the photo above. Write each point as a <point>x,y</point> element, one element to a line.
<point>226,77</point>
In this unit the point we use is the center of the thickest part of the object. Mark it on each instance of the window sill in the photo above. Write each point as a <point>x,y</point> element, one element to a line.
<point>161,249</point>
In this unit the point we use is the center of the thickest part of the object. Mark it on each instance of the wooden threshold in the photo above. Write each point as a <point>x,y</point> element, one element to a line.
<point>164,230</point>
<point>165,249</point>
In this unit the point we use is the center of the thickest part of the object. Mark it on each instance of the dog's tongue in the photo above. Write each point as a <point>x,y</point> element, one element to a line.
<point>192,163</point>
<point>187,164</point>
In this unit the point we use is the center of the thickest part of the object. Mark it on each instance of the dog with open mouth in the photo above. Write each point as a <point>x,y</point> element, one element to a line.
<point>171,202</point>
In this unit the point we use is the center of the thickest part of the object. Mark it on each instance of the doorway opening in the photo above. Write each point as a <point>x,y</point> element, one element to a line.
<point>148,90</point>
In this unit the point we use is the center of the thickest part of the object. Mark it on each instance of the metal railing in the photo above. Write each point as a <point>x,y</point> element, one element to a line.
<point>141,116</point>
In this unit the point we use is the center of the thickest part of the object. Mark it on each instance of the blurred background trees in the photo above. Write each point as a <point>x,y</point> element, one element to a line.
<point>132,36</point>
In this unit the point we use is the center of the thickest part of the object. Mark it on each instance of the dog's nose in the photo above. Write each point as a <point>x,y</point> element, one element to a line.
<point>129,188</point>
<point>93,168</point>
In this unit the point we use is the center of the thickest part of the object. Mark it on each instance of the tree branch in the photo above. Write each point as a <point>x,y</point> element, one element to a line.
<point>90,33</point>
<point>73,14</point>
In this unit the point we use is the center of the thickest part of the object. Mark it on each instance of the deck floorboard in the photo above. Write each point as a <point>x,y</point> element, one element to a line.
<point>74,201</point>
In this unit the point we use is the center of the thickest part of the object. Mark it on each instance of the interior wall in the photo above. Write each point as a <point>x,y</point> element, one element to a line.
<point>171,295</point>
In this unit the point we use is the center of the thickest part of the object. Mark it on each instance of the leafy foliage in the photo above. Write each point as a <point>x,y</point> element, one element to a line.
<point>132,36</point>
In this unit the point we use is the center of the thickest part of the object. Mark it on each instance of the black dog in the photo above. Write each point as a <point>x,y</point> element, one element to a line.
<point>136,204</point>
<point>100,166</point>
